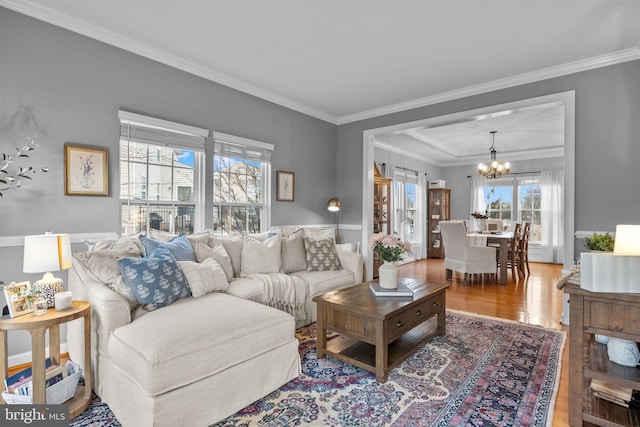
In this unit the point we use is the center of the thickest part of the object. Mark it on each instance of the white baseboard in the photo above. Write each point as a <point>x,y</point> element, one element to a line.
<point>22,358</point>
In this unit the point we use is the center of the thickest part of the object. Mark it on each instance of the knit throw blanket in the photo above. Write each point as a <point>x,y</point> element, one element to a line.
<point>284,292</point>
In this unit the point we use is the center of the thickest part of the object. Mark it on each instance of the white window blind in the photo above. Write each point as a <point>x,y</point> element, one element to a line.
<point>150,130</point>
<point>241,148</point>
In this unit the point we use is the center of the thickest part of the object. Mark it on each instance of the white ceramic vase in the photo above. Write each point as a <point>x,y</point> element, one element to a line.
<point>388,275</point>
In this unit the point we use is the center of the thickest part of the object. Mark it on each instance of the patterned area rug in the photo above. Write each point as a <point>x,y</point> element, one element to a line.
<point>483,372</point>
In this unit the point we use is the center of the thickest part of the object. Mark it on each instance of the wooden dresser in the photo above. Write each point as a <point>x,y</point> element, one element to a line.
<point>610,314</point>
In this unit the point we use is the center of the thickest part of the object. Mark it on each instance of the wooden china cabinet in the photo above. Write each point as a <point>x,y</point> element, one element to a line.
<point>439,210</point>
<point>381,210</point>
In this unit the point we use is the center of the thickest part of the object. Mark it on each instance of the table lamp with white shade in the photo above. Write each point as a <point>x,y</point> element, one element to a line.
<point>45,253</point>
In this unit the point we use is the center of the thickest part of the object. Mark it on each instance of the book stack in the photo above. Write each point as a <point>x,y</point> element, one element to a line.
<point>21,383</point>
<point>612,393</point>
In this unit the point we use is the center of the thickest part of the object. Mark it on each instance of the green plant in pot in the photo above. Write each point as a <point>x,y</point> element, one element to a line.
<point>600,242</point>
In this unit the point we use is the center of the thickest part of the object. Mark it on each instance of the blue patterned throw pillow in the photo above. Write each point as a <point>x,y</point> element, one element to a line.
<point>179,247</point>
<point>157,280</point>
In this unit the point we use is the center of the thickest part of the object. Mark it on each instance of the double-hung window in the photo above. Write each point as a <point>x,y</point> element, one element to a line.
<point>241,185</point>
<point>161,175</point>
<point>516,200</point>
<point>530,206</point>
<point>406,201</point>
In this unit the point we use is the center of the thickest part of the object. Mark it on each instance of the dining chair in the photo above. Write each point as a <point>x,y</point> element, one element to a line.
<point>523,249</point>
<point>493,225</point>
<point>461,256</point>
<point>513,253</point>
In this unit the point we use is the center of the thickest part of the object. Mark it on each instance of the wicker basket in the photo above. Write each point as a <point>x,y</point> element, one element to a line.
<point>56,394</point>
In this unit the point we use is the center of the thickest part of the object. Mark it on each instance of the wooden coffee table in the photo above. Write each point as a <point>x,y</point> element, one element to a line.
<point>378,333</point>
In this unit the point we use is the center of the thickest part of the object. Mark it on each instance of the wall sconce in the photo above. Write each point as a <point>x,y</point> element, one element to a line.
<point>45,253</point>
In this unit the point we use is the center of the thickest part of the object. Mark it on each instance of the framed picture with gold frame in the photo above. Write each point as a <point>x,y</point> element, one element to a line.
<point>86,171</point>
<point>285,186</point>
<point>16,296</point>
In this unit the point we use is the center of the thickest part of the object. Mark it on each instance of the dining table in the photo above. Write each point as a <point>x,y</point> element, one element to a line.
<point>498,239</point>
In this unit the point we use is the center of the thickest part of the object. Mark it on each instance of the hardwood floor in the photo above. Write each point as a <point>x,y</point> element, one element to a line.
<point>533,300</point>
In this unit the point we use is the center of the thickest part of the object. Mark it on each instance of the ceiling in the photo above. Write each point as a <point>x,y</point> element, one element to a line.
<point>522,133</point>
<point>342,61</point>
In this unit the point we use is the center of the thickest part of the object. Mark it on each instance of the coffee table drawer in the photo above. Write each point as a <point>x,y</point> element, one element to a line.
<point>406,320</point>
<point>352,325</point>
<point>434,305</point>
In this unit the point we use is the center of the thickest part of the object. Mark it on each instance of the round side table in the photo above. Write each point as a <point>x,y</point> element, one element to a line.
<point>37,327</point>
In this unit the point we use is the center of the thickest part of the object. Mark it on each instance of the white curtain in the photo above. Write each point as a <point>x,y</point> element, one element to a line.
<point>476,199</point>
<point>421,215</point>
<point>552,189</point>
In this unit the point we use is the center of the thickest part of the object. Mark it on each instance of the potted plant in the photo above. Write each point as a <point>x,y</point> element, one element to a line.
<point>599,242</point>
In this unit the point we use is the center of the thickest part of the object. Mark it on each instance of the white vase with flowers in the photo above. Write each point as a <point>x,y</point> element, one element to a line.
<point>390,249</point>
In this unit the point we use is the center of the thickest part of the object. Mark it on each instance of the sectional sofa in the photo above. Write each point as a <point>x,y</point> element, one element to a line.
<point>164,358</point>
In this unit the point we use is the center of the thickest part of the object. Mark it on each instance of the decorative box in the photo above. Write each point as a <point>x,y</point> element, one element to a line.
<point>608,272</point>
<point>438,183</point>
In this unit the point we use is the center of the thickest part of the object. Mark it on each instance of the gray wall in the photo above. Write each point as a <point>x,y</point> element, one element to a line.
<point>75,85</point>
<point>607,190</point>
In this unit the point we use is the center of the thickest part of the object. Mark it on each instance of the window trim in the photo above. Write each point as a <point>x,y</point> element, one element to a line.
<point>194,140</point>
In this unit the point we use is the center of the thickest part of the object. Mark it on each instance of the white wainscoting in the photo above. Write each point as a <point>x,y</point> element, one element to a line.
<point>9,241</point>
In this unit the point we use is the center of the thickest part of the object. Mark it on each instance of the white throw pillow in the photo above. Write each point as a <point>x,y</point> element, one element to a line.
<point>294,257</point>
<point>204,277</point>
<point>163,236</point>
<point>218,254</point>
<point>199,237</point>
<point>261,257</point>
<point>233,246</point>
<point>320,233</point>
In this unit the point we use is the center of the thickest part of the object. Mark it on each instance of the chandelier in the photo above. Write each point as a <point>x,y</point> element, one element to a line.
<point>496,168</point>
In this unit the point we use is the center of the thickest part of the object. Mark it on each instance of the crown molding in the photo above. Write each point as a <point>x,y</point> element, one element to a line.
<point>402,151</point>
<point>613,58</point>
<point>67,22</point>
<point>53,17</point>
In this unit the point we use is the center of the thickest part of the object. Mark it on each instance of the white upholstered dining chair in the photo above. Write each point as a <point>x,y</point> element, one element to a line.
<point>461,256</point>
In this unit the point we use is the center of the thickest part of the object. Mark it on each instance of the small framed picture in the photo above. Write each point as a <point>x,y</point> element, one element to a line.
<point>16,296</point>
<point>285,186</point>
<point>86,171</point>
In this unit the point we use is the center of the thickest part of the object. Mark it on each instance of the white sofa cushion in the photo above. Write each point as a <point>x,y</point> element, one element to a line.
<point>159,356</point>
<point>261,256</point>
<point>293,255</point>
<point>318,233</point>
<point>233,246</point>
<point>246,288</point>
<point>218,253</point>
<point>321,282</point>
<point>102,266</point>
<point>207,276</point>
